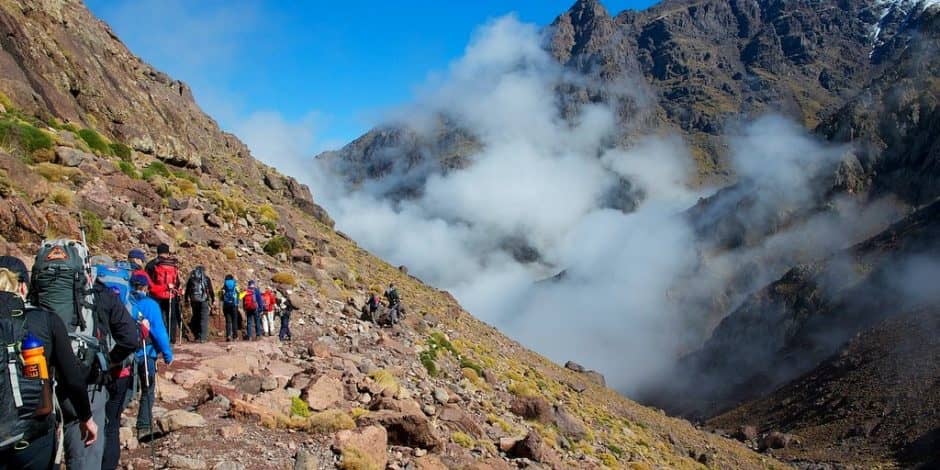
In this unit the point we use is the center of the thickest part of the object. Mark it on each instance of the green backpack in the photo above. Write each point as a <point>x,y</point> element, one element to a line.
<point>61,282</point>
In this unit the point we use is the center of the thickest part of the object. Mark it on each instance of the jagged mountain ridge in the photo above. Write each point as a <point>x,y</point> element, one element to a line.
<point>200,190</point>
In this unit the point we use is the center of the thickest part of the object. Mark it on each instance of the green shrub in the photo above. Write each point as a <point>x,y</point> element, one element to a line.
<point>94,227</point>
<point>95,142</point>
<point>155,168</point>
<point>427,358</point>
<point>299,407</point>
<point>128,169</point>
<point>277,245</point>
<point>6,102</point>
<point>468,364</point>
<point>24,136</point>
<point>270,225</point>
<point>121,151</point>
<point>463,440</point>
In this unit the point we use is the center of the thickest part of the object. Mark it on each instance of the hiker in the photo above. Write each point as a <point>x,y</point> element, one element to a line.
<point>100,329</point>
<point>254,306</point>
<point>372,305</point>
<point>285,308</point>
<point>137,259</point>
<point>116,276</point>
<point>394,303</point>
<point>164,287</point>
<point>156,342</point>
<point>27,439</point>
<point>230,296</point>
<point>199,292</point>
<point>267,316</point>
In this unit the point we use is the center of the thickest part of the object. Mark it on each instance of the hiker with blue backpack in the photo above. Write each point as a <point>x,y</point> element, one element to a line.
<point>230,296</point>
<point>156,343</point>
<point>116,276</point>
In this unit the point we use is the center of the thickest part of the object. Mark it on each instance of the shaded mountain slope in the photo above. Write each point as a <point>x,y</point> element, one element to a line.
<point>790,326</point>
<point>874,402</point>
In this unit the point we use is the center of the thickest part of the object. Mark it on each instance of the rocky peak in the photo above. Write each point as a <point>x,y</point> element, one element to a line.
<point>583,29</point>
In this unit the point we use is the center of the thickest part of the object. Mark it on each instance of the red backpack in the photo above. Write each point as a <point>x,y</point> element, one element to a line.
<point>270,301</point>
<point>165,276</point>
<point>250,302</point>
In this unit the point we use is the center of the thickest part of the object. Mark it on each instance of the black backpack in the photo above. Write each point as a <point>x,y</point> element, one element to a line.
<point>196,286</point>
<point>20,396</point>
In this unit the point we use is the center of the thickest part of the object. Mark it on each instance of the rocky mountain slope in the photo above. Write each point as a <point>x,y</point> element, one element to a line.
<point>91,136</point>
<point>842,417</point>
<point>861,74</point>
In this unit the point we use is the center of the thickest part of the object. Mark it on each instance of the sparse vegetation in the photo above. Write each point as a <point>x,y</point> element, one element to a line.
<point>463,440</point>
<point>427,358</point>
<point>284,278</point>
<point>121,151</point>
<point>6,102</point>
<point>94,228</point>
<point>358,412</point>
<point>62,197</point>
<point>22,136</point>
<point>266,212</point>
<point>499,422</point>
<point>230,253</point>
<point>55,173</point>
<point>153,169</point>
<point>355,459</point>
<point>95,142</point>
<point>385,379</point>
<point>299,407</point>
<point>277,245</point>
<point>329,421</point>
<point>6,186</point>
<point>128,169</point>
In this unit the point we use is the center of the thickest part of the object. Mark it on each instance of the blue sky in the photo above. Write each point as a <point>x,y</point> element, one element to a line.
<point>322,72</point>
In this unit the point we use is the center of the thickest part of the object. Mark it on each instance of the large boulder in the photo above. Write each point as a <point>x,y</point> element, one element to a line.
<point>404,428</point>
<point>324,393</point>
<point>369,443</point>
<point>532,408</point>
<point>68,156</point>
<point>175,420</point>
<point>459,420</point>
<point>568,425</point>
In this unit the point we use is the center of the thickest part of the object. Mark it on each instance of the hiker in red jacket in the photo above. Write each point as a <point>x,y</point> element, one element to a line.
<point>164,275</point>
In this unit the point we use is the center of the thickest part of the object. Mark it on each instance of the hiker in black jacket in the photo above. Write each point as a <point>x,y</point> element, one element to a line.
<point>113,318</point>
<point>201,298</point>
<point>37,448</point>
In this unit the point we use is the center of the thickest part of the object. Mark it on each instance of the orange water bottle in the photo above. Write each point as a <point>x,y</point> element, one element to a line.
<point>34,367</point>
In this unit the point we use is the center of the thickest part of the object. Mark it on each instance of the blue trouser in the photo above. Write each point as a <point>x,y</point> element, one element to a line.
<point>148,377</point>
<point>285,325</point>
<point>254,323</point>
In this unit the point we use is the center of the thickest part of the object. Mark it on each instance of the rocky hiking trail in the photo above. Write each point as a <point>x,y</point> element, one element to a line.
<point>348,394</point>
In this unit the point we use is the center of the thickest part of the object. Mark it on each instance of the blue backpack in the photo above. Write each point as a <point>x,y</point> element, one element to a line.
<point>116,277</point>
<point>230,293</point>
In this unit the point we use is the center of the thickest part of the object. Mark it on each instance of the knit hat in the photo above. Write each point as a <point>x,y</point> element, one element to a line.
<point>163,249</point>
<point>139,280</point>
<point>137,253</point>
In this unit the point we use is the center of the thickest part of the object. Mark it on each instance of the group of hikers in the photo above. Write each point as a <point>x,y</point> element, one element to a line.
<point>81,338</point>
<point>380,314</point>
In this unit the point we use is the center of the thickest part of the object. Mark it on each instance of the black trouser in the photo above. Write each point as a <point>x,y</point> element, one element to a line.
<point>200,319</point>
<point>37,456</point>
<point>117,393</point>
<point>171,317</point>
<point>285,325</point>
<point>231,320</point>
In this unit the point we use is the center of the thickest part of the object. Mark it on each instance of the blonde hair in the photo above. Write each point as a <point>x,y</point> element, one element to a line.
<point>9,281</point>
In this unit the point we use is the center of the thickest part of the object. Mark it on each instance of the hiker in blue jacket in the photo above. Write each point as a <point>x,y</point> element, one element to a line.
<point>156,342</point>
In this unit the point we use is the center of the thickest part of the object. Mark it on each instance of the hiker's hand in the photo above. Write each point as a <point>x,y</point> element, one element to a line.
<point>89,432</point>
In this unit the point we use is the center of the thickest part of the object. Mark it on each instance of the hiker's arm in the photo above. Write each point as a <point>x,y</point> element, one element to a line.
<point>209,288</point>
<point>123,328</point>
<point>68,370</point>
<point>161,339</point>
